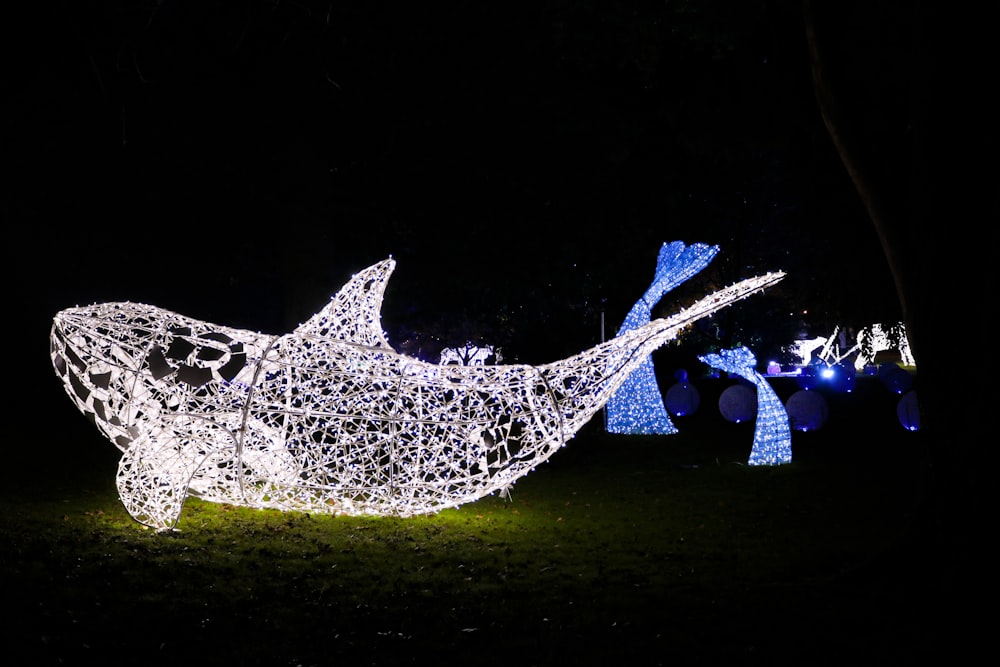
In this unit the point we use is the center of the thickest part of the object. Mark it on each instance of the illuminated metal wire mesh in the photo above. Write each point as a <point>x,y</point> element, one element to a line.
<point>637,407</point>
<point>772,436</point>
<point>328,418</point>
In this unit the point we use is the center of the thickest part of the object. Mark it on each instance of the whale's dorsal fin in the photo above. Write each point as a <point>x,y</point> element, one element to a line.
<point>354,314</point>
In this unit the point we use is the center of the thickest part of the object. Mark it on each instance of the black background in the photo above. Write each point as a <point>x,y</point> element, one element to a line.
<point>238,161</point>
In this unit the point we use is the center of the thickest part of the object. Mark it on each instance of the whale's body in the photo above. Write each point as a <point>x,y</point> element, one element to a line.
<point>328,418</point>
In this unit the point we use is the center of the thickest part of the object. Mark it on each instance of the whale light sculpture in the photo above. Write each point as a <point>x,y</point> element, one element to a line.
<point>772,436</point>
<point>327,418</point>
<point>637,407</point>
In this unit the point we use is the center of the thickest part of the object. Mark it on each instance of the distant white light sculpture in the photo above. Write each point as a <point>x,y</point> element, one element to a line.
<point>803,349</point>
<point>772,438</point>
<point>637,407</point>
<point>327,418</point>
<point>877,339</point>
<point>469,355</point>
<point>869,342</point>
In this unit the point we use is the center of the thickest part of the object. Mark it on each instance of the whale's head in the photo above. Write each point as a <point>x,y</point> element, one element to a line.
<point>124,364</point>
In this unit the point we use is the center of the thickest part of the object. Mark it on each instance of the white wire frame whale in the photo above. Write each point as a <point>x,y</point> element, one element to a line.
<point>328,418</point>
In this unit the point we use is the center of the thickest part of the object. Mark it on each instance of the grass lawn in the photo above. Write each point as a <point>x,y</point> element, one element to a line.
<point>664,550</point>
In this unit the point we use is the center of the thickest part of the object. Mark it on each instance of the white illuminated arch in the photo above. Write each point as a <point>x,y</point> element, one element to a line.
<point>327,418</point>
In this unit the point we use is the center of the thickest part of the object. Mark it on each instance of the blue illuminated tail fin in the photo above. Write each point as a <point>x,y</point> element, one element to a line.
<point>637,406</point>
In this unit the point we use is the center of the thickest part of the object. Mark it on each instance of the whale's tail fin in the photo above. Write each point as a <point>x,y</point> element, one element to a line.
<point>637,407</point>
<point>583,383</point>
<point>675,264</point>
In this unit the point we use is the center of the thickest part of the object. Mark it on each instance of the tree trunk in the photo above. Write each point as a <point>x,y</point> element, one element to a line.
<point>939,241</point>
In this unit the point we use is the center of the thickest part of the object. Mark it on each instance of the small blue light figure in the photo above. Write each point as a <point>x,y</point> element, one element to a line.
<point>772,437</point>
<point>637,407</point>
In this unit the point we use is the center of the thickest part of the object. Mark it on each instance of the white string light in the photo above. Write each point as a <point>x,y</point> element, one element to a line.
<point>327,418</point>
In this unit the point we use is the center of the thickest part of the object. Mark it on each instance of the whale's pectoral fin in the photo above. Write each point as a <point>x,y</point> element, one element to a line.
<point>153,483</point>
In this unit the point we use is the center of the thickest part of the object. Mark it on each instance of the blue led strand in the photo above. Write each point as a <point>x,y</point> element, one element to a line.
<point>772,437</point>
<point>637,407</point>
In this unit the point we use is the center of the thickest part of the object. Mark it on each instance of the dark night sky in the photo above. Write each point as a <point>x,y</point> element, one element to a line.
<point>238,161</point>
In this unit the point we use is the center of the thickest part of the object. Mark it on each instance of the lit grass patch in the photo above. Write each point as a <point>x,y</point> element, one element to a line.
<point>616,548</point>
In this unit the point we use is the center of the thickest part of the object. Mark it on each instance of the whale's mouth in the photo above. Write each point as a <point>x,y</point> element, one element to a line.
<point>126,365</point>
<point>88,380</point>
<point>76,373</point>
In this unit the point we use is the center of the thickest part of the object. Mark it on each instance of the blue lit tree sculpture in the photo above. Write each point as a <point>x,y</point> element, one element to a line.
<point>637,407</point>
<point>772,437</point>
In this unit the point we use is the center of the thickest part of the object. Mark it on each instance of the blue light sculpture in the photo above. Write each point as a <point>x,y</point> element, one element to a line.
<point>772,438</point>
<point>637,407</point>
